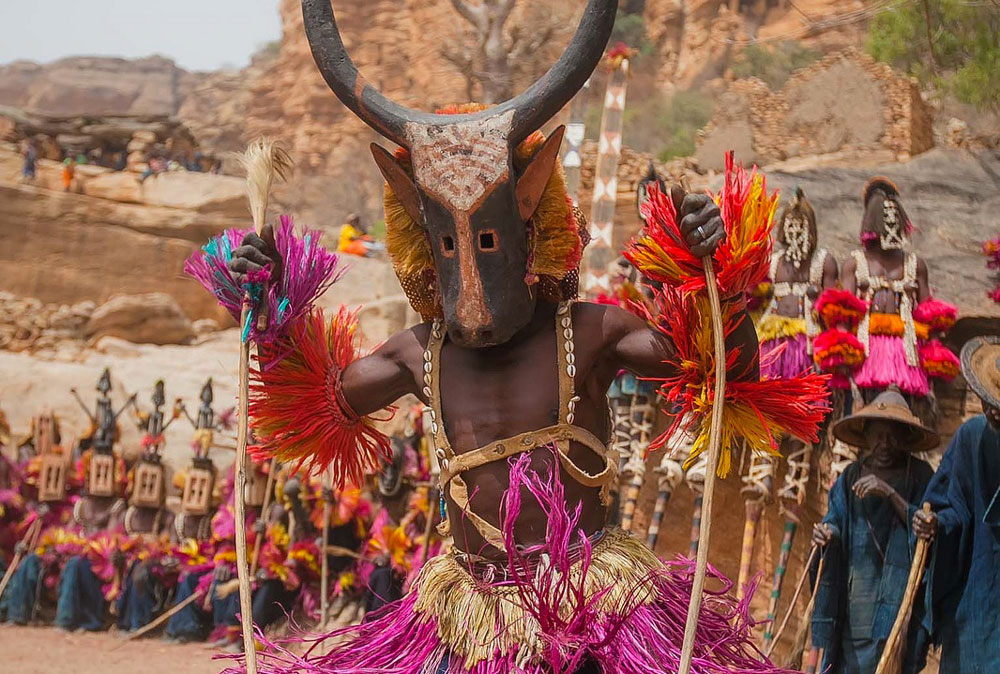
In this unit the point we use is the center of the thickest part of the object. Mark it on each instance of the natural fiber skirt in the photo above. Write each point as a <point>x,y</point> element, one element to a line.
<point>886,365</point>
<point>784,349</point>
<point>550,609</point>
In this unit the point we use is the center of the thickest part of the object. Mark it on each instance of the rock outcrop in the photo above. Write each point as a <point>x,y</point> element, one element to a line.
<point>112,234</point>
<point>150,318</point>
<point>87,85</point>
<point>844,103</point>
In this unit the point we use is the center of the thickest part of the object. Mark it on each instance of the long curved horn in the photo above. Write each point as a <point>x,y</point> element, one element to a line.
<point>533,107</point>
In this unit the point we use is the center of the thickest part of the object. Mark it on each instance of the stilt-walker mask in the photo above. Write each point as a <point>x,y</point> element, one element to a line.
<point>797,229</point>
<point>884,218</point>
<point>467,223</point>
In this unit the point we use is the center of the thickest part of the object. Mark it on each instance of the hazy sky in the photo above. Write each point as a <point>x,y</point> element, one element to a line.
<point>198,34</point>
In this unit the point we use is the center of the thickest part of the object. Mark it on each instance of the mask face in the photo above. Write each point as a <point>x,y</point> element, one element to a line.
<point>893,236</point>
<point>885,221</point>
<point>798,246</point>
<point>475,211</point>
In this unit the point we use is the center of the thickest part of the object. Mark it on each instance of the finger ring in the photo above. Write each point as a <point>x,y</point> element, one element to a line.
<point>700,232</point>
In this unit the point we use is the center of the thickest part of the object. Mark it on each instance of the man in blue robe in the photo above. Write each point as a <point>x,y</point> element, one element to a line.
<point>963,580</point>
<point>866,541</point>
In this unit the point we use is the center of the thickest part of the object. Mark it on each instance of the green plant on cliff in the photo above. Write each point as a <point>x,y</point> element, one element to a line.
<point>666,126</point>
<point>773,64</point>
<point>953,45</point>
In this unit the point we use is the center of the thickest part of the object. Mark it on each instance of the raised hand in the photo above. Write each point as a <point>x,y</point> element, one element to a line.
<point>257,253</point>
<point>700,221</point>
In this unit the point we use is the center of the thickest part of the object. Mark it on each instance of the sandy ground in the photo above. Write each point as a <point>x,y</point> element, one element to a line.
<point>47,650</point>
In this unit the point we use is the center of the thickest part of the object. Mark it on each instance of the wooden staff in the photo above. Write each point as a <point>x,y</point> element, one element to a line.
<point>29,536</point>
<point>324,581</point>
<point>792,495</point>
<point>263,161</point>
<point>813,551</point>
<point>162,618</point>
<point>714,451</point>
<point>891,661</point>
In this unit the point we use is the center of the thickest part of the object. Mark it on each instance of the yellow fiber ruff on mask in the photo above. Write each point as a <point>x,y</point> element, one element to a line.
<point>556,235</point>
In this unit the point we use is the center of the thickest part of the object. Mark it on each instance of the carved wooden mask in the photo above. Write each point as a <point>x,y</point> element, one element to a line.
<point>464,190</point>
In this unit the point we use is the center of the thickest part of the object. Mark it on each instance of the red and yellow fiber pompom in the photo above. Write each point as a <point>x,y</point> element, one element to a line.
<point>760,412</point>
<point>741,261</point>
<point>937,315</point>
<point>938,360</point>
<point>839,353</point>
<point>838,308</point>
<point>297,409</point>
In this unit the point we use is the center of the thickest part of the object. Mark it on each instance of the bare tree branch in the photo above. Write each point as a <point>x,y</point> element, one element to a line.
<point>472,14</point>
<point>503,10</point>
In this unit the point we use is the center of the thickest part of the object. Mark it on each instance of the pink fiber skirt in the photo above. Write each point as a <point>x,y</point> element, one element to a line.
<point>886,365</point>
<point>554,616</point>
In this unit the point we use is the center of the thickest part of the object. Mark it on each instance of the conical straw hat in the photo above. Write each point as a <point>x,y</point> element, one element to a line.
<point>888,406</point>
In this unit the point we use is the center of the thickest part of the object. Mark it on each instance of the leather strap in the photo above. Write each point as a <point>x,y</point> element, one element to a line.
<point>560,434</point>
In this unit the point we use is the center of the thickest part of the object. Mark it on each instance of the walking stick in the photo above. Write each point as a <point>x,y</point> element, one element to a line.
<point>262,160</point>
<point>714,451</point>
<point>891,661</point>
<point>19,553</point>
<point>695,479</point>
<point>813,551</point>
<point>324,583</point>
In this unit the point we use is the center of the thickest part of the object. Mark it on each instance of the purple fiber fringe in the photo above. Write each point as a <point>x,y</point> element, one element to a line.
<point>633,639</point>
<point>785,357</point>
<point>886,364</point>
<point>309,269</point>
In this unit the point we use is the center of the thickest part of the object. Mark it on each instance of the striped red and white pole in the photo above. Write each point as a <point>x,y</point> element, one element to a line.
<point>599,255</point>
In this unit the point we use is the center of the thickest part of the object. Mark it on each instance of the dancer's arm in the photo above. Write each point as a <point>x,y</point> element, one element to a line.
<point>379,379</point>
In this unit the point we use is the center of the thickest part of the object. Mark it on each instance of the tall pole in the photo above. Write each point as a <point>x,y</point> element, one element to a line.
<point>600,253</point>
<point>575,132</point>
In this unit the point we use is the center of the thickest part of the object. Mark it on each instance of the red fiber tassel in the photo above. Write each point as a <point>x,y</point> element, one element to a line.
<point>297,409</point>
<point>837,307</point>
<point>938,315</point>
<point>938,361</point>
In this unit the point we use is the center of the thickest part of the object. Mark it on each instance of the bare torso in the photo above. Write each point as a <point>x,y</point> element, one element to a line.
<point>791,305</point>
<point>493,393</point>
<point>888,264</point>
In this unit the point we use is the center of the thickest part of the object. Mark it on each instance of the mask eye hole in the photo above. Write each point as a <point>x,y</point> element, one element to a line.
<point>448,246</point>
<point>488,241</point>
